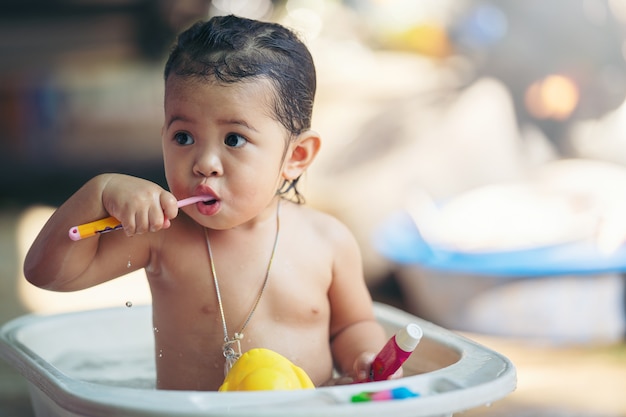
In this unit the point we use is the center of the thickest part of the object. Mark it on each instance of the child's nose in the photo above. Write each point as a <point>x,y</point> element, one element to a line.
<point>208,164</point>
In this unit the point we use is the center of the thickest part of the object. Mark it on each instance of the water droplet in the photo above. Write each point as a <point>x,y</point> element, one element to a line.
<point>129,303</point>
<point>156,329</point>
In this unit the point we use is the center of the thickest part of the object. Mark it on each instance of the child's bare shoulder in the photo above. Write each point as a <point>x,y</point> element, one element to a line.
<point>322,224</point>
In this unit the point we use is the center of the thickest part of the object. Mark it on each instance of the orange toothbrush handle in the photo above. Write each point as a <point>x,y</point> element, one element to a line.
<point>83,231</point>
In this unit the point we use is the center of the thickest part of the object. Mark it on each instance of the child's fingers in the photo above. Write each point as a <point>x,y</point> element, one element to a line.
<point>148,210</point>
<point>143,220</point>
<point>398,374</point>
<point>156,218</point>
<point>141,223</point>
<point>160,214</point>
<point>362,366</point>
<point>170,208</point>
<point>129,224</point>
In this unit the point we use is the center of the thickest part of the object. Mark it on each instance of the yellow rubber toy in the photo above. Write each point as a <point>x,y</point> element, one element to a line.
<point>264,370</point>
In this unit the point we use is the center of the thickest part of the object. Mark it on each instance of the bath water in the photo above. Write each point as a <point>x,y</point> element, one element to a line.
<point>133,368</point>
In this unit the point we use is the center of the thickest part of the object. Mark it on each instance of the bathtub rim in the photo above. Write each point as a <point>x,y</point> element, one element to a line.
<point>480,376</point>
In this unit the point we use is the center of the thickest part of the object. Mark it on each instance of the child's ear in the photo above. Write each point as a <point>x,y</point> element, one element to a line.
<point>300,154</point>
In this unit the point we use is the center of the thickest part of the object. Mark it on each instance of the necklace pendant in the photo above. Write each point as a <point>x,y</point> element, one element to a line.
<point>230,361</point>
<point>232,352</point>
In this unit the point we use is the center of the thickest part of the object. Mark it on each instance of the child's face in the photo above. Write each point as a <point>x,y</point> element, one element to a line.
<point>222,140</point>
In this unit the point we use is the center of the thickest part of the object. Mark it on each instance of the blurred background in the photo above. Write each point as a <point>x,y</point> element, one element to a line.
<point>494,127</point>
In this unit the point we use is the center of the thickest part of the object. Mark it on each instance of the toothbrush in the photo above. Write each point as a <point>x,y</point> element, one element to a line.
<point>110,224</point>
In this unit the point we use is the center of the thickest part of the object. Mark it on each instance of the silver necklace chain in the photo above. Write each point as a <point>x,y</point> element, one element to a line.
<point>232,347</point>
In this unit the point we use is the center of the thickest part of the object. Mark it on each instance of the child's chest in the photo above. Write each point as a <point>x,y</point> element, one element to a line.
<point>285,310</point>
<point>283,285</point>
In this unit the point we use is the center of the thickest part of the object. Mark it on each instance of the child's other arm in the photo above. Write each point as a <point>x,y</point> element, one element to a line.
<point>56,262</point>
<point>356,336</point>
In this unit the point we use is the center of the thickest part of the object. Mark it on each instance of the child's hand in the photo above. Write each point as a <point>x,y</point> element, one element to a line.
<point>363,364</point>
<point>140,205</point>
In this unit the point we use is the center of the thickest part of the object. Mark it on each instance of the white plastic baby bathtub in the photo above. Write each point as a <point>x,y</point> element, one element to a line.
<point>101,363</point>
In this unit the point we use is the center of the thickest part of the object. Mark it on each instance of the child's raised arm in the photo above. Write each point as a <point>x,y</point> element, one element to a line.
<point>56,262</point>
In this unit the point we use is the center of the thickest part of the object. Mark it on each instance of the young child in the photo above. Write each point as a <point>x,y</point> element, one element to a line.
<point>247,267</point>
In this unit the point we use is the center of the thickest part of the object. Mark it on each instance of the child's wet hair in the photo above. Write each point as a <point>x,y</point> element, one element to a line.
<point>230,49</point>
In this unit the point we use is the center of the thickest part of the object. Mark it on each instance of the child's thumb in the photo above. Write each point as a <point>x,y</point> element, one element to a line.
<point>362,366</point>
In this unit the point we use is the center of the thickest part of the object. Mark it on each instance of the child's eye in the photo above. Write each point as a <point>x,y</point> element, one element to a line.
<point>183,138</point>
<point>234,140</point>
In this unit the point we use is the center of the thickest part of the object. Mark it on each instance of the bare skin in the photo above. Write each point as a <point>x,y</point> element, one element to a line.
<point>221,141</point>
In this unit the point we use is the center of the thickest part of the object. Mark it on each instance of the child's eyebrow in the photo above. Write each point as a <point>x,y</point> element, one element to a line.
<point>237,122</point>
<point>176,119</point>
<point>223,122</point>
